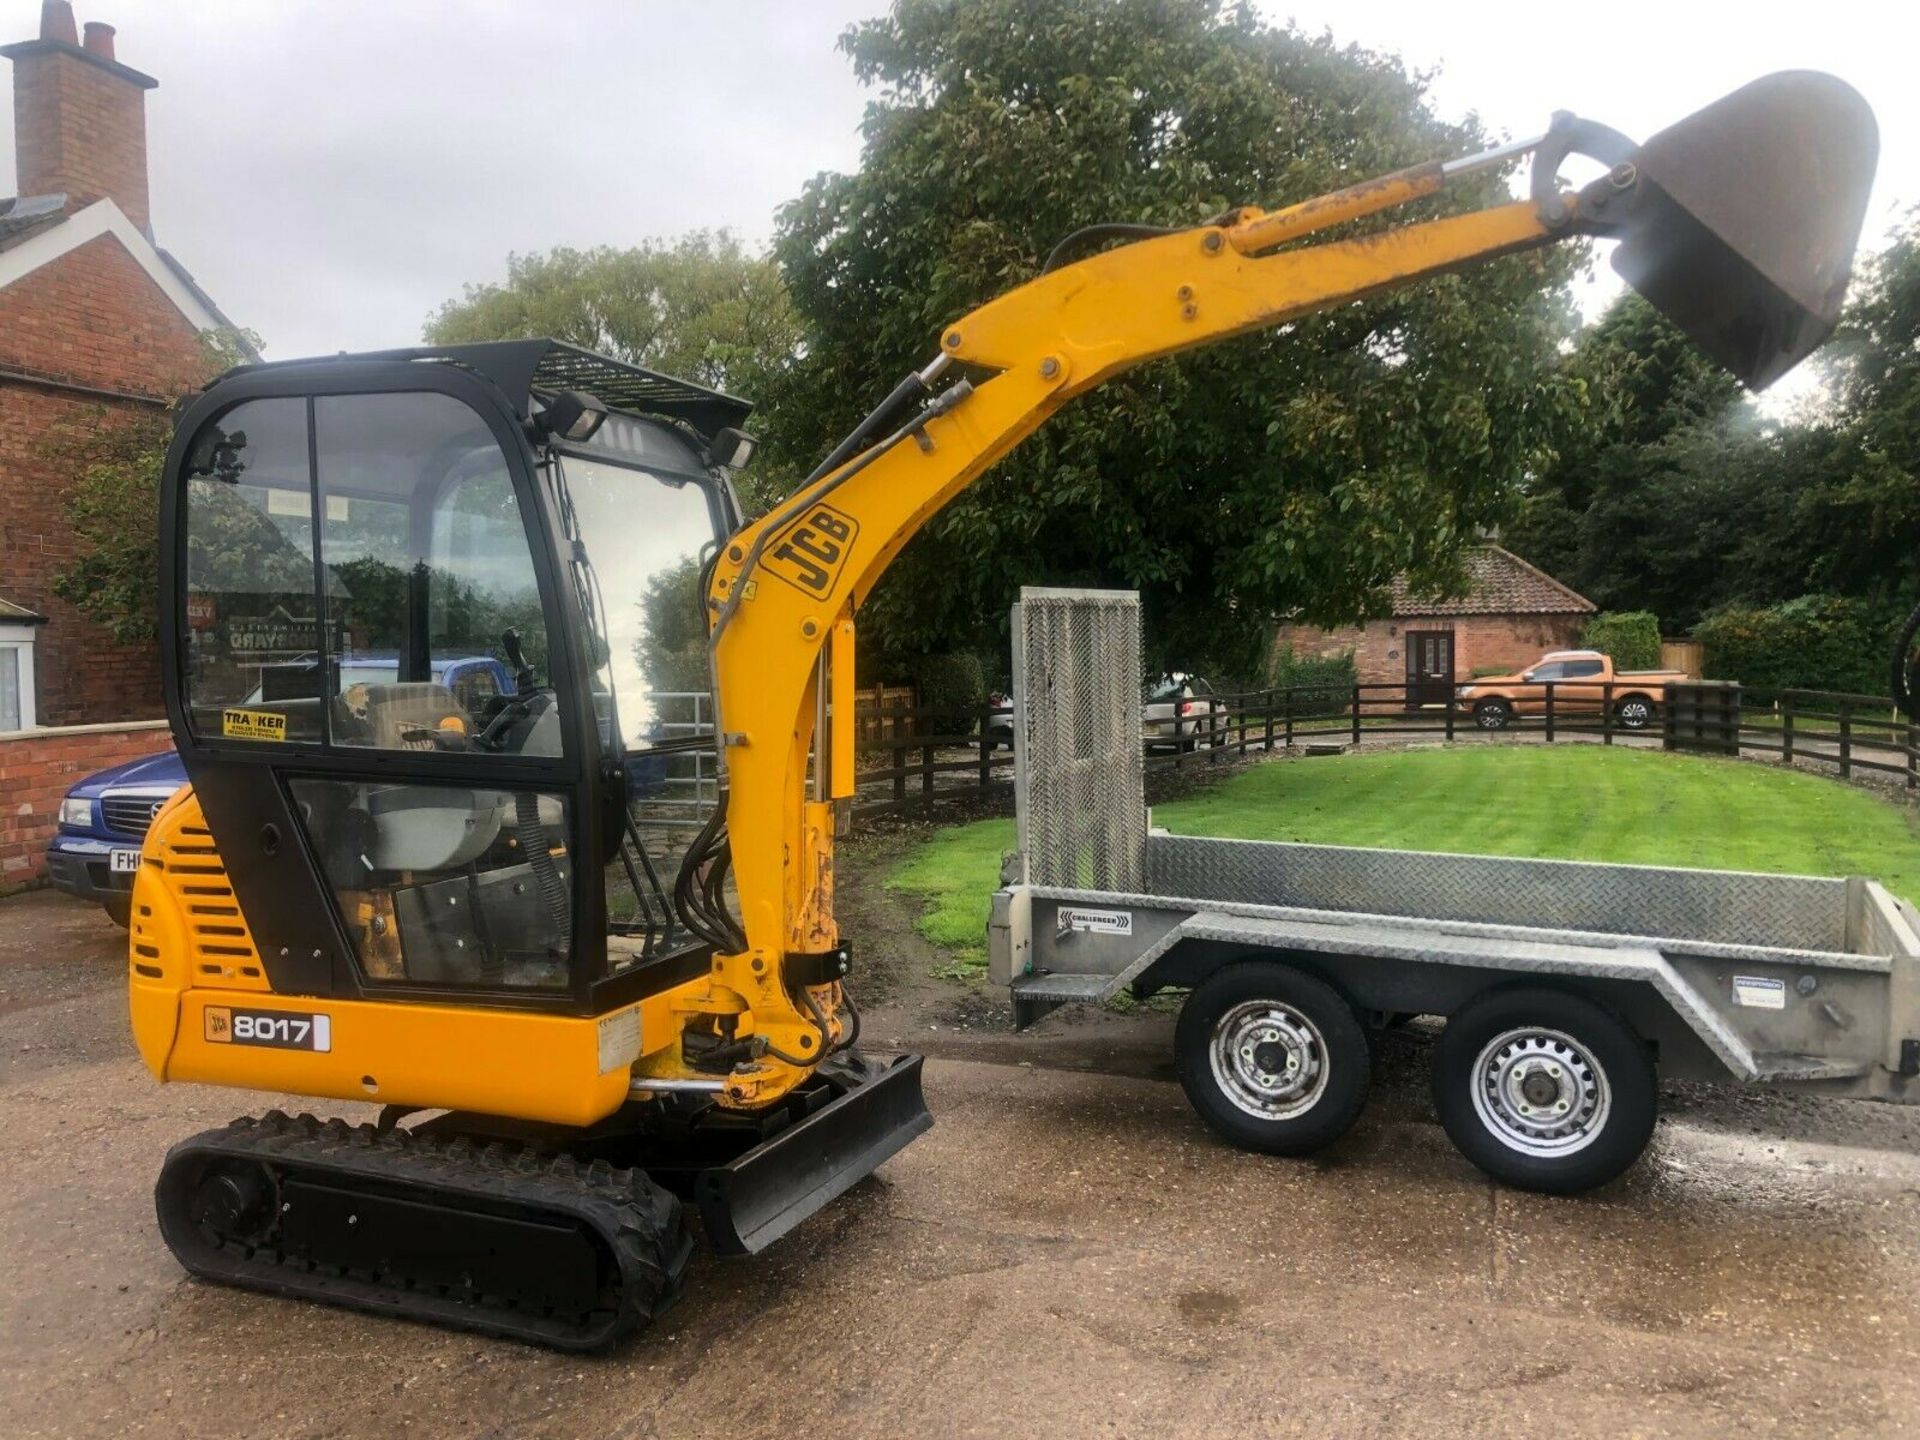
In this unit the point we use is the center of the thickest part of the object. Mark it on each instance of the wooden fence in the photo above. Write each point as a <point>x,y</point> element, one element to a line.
<point>1686,656</point>
<point>1847,733</point>
<point>882,711</point>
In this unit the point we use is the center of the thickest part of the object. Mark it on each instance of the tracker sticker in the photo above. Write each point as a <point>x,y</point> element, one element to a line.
<point>276,1029</point>
<point>1098,922</point>
<point>1757,992</point>
<point>253,725</point>
<point>810,553</point>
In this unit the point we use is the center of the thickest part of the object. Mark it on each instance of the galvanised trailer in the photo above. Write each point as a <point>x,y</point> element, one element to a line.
<point>1567,988</point>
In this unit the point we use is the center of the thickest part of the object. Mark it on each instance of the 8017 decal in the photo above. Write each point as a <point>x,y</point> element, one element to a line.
<point>810,553</point>
<point>276,1029</point>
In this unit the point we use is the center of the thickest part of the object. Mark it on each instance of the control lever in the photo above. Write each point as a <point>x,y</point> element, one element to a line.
<point>523,677</point>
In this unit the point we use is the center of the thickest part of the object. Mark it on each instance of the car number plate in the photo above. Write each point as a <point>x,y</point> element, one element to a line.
<point>123,862</point>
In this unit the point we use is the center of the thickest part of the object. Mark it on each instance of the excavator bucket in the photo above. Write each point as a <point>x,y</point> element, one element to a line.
<point>1747,215</point>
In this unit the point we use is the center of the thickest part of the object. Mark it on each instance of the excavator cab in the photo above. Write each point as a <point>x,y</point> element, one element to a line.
<point>432,623</point>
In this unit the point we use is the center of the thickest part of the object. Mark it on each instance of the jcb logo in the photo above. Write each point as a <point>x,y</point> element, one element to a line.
<point>809,553</point>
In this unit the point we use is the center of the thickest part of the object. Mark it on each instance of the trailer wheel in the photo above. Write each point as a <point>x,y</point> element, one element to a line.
<point>1273,1059</point>
<point>1544,1090</point>
<point>1492,714</point>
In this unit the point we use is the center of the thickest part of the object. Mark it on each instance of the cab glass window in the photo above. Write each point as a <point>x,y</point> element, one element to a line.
<point>1580,669</point>
<point>253,642</point>
<point>446,885</point>
<point>432,597</point>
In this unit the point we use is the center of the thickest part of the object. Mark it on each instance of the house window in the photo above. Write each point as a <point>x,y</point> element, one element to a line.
<point>16,678</point>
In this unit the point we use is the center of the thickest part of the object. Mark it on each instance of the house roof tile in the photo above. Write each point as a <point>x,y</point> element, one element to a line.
<point>1498,583</point>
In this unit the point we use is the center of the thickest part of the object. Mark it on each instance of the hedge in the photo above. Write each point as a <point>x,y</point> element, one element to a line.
<point>951,689</point>
<point>1817,642</point>
<point>1321,684</point>
<point>1630,637</point>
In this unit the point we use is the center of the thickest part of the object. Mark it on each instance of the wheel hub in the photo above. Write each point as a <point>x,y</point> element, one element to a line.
<point>1268,1059</point>
<point>1541,1092</point>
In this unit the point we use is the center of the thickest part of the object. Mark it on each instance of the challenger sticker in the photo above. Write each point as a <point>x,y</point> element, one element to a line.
<point>1099,922</point>
<point>1758,992</point>
<point>810,553</point>
<point>253,725</point>
<point>276,1029</point>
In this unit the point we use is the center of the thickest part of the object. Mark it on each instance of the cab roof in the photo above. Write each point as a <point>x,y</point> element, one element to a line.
<point>521,367</point>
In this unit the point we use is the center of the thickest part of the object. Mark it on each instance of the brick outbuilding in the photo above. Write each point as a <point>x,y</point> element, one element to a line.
<point>97,324</point>
<point>1510,612</point>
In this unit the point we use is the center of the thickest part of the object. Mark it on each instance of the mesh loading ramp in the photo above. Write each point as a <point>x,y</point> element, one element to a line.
<point>1079,770</point>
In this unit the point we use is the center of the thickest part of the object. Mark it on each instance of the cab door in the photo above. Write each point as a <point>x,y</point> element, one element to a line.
<point>345,541</point>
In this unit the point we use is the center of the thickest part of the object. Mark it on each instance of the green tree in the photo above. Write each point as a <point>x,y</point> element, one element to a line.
<point>1596,513</point>
<point>672,648</point>
<point>1295,470</point>
<point>701,307</point>
<point>111,460</point>
<point>1679,499</point>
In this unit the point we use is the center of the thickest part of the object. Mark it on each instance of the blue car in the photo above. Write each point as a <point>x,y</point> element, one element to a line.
<point>103,819</point>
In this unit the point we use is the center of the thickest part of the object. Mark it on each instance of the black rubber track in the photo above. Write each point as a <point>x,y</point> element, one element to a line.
<point>630,1227</point>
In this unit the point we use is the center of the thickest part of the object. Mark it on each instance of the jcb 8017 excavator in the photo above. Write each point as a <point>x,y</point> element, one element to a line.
<point>381,889</point>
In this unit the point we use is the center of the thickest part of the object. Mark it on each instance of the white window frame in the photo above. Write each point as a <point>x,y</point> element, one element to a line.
<point>19,640</point>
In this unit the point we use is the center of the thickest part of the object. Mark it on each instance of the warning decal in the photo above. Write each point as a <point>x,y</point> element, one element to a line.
<point>253,725</point>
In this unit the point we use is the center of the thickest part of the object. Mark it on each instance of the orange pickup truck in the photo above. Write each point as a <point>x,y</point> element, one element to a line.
<point>1580,681</point>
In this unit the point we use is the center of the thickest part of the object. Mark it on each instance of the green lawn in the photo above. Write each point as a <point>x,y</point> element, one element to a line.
<point>1572,802</point>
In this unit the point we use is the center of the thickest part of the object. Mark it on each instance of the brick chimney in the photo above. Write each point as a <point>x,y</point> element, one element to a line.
<point>79,116</point>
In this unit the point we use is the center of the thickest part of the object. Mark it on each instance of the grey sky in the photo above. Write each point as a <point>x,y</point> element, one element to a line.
<point>332,171</point>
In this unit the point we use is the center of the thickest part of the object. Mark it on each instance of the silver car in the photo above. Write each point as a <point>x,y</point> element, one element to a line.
<point>1180,712</point>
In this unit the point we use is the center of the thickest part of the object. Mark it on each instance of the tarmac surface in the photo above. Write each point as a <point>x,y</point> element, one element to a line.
<point>1068,1252</point>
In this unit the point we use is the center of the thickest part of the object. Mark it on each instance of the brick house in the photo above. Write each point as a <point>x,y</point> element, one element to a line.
<point>97,323</point>
<point>94,318</point>
<point>1508,615</point>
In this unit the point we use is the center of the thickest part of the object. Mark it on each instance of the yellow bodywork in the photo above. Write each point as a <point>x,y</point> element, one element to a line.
<point>783,594</point>
<point>190,953</point>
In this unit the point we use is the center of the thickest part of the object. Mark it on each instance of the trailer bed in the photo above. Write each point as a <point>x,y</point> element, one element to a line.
<point>1778,978</point>
<point>1568,989</point>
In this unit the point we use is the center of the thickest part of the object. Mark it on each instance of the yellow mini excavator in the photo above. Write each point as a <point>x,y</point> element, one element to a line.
<point>416,612</point>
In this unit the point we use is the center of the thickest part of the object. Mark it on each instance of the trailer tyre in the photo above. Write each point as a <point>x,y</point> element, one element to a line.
<point>1272,1058</point>
<point>1544,1090</point>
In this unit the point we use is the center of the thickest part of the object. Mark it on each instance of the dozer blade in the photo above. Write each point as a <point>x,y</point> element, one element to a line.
<point>1747,216</point>
<point>752,1201</point>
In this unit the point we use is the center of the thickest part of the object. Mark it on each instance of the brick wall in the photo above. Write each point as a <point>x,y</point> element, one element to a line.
<point>1380,647</point>
<point>36,767</point>
<point>91,317</point>
<point>96,318</point>
<point>81,130</point>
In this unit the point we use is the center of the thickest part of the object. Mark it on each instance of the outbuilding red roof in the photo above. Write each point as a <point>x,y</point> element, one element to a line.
<point>1498,583</point>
